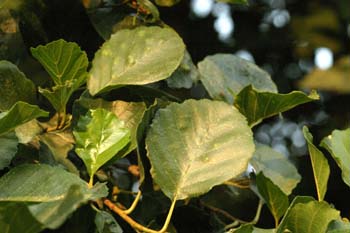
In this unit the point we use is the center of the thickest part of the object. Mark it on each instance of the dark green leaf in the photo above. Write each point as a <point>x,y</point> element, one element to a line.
<point>225,75</point>
<point>19,114</point>
<point>320,165</point>
<point>106,223</point>
<point>257,106</point>
<point>275,199</point>
<point>135,57</point>
<point>8,149</point>
<point>196,145</point>
<point>14,86</point>
<point>276,167</point>
<point>338,145</point>
<point>338,226</point>
<point>99,136</point>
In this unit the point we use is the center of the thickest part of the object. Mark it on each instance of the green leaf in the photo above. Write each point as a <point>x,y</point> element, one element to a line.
<point>257,106</point>
<point>8,149</point>
<point>196,145</point>
<point>54,213</point>
<point>64,61</point>
<point>249,228</point>
<point>275,199</point>
<point>166,3</point>
<point>225,75</point>
<point>16,218</point>
<point>27,132</point>
<point>185,75</point>
<point>99,136</point>
<point>19,114</point>
<point>338,145</point>
<point>42,183</point>
<point>106,223</point>
<point>338,226</point>
<point>319,164</point>
<point>14,86</point>
<point>276,167</point>
<point>309,217</point>
<point>135,57</point>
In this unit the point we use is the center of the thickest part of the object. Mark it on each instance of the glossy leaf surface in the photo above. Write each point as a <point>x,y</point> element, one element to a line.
<point>257,106</point>
<point>197,144</point>
<point>135,57</point>
<point>225,75</point>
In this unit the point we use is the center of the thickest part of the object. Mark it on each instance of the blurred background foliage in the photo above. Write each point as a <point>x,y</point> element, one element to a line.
<point>302,44</point>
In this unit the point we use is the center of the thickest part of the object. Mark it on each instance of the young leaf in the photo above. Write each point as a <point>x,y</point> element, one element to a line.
<point>275,199</point>
<point>309,217</point>
<point>99,136</point>
<point>196,145</point>
<point>256,105</point>
<point>320,165</point>
<point>14,86</point>
<point>135,57</point>
<point>19,114</point>
<point>225,75</point>
<point>106,223</point>
<point>338,145</point>
<point>276,167</point>
<point>8,148</point>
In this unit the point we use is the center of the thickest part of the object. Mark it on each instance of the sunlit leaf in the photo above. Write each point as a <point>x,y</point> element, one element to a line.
<point>99,135</point>
<point>135,57</point>
<point>225,75</point>
<point>8,148</point>
<point>196,145</point>
<point>338,145</point>
<point>19,114</point>
<point>14,86</point>
<point>257,106</point>
<point>276,167</point>
<point>275,199</point>
<point>106,223</point>
<point>319,164</point>
<point>338,226</point>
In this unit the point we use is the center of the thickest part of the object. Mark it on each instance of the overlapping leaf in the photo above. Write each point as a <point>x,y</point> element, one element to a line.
<point>106,223</point>
<point>338,226</point>
<point>8,148</point>
<point>197,144</point>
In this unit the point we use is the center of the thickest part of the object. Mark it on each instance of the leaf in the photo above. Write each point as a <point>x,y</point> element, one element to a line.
<point>249,228</point>
<point>19,114</point>
<point>338,145</point>
<point>99,136</point>
<point>28,131</point>
<point>135,57</point>
<point>309,217</point>
<point>257,106</point>
<point>166,3</point>
<point>225,75</point>
<point>106,223</point>
<point>320,165</point>
<point>185,75</point>
<point>242,2</point>
<point>64,61</point>
<point>196,145</point>
<point>338,226</point>
<point>14,86</point>
<point>275,199</point>
<point>16,218</point>
<point>276,167</point>
<point>8,149</point>
<point>42,183</point>
<point>53,214</point>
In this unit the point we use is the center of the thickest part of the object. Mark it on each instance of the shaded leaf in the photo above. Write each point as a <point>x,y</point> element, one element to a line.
<point>41,183</point>
<point>275,199</point>
<point>167,3</point>
<point>99,136</point>
<point>8,149</point>
<point>196,145</point>
<point>14,86</point>
<point>320,165</point>
<point>249,228</point>
<point>135,57</point>
<point>338,145</point>
<point>225,75</point>
<point>276,167</point>
<point>106,223</point>
<point>257,106</point>
<point>338,226</point>
<point>19,114</point>
<point>242,2</point>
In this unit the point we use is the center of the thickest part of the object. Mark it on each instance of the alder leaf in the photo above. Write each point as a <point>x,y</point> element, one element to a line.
<point>99,135</point>
<point>135,57</point>
<point>196,145</point>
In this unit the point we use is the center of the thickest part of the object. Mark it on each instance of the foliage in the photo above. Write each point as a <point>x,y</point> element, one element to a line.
<point>135,136</point>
